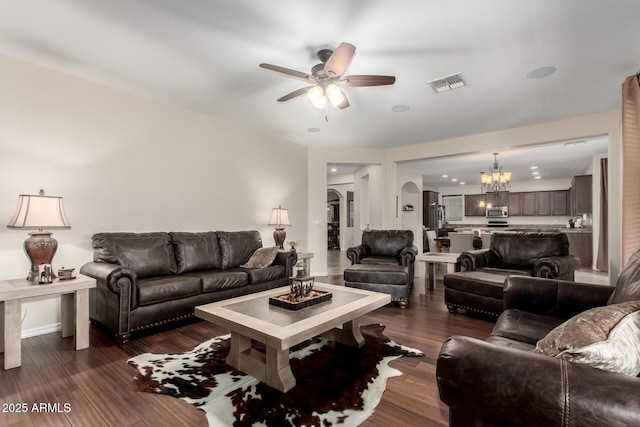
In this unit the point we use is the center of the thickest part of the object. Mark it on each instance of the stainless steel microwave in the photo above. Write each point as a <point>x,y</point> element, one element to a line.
<point>498,212</point>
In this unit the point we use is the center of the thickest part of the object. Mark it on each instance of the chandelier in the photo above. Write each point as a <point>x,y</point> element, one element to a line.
<point>494,181</point>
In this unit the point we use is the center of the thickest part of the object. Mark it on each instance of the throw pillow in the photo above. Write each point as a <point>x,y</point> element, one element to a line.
<point>606,338</point>
<point>261,258</point>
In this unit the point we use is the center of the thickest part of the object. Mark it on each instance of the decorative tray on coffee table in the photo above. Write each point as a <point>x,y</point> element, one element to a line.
<point>290,302</point>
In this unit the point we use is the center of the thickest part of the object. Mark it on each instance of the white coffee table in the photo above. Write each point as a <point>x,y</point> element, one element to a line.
<point>251,317</point>
<point>74,311</point>
<point>431,260</point>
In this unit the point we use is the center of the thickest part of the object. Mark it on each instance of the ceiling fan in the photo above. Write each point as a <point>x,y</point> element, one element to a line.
<point>327,78</point>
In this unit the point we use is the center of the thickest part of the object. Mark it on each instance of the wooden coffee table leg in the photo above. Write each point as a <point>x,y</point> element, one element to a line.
<point>278,370</point>
<point>351,334</point>
<point>239,344</point>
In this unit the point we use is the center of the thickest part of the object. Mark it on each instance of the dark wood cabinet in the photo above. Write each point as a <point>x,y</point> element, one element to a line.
<point>472,205</point>
<point>580,194</point>
<point>560,202</point>
<point>515,204</point>
<point>428,198</point>
<point>543,203</point>
<point>529,203</point>
<point>581,245</point>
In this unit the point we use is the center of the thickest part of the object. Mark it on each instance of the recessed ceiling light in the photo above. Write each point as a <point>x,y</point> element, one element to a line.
<point>535,173</point>
<point>454,179</point>
<point>533,167</point>
<point>445,176</point>
<point>537,177</point>
<point>461,182</point>
<point>541,72</point>
<point>400,108</point>
<point>334,170</point>
<point>314,130</point>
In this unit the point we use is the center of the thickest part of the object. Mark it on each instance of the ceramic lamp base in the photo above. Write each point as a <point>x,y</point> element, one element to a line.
<point>40,249</point>
<point>278,236</point>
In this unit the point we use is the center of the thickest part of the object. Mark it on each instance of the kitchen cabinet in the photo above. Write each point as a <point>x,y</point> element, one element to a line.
<point>581,245</point>
<point>472,205</point>
<point>515,204</point>
<point>552,202</point>
<point>428,198</point>
<point>580,194</point>
<point>529,200</point>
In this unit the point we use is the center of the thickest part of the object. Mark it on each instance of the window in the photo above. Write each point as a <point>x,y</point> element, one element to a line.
<point>452,207</point>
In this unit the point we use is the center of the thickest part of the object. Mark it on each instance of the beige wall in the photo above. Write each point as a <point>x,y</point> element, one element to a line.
<point>125,163</point>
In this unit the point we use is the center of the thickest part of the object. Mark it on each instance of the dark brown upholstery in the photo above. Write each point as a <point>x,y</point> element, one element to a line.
<point>148,279</point>
<point>499,382</point>
<point>384,262</point>
<point>537,254</point>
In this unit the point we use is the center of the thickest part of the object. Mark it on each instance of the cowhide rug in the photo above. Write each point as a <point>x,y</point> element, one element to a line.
<point>336,384</point>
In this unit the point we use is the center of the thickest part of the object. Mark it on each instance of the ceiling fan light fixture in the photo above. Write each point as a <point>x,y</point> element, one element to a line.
<point>316,96</point>
<point>335,95</point>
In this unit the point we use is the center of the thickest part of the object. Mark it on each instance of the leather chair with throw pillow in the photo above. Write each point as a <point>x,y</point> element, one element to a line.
<point>561,354</point>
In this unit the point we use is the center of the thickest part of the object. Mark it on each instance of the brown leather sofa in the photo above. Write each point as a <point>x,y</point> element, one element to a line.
<point>501,382</point>
<point>149,279</point>
<point>384,262</point>
<point>537,254</point>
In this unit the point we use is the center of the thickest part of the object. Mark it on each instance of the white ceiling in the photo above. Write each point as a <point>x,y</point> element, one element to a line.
<point>204,56</point>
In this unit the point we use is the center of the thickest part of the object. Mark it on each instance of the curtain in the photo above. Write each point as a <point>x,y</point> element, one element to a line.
<point>630,169</point>
<point>602,260</point>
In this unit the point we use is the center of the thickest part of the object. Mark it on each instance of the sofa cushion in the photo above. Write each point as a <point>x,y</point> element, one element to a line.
<point>380,260</point>
<point>387,242</point>
<point>196,251</point>
<point>262,257</point>
<point>148,254</point>
<point>524,249</point>
<point>524,326</point>
<point>221,280</point>
<point>606,337</point>
<point>153,291</point>
<point>261,275</point>
<point>236,247</point>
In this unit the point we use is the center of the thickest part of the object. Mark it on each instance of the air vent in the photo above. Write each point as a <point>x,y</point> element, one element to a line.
<point>446,83</point>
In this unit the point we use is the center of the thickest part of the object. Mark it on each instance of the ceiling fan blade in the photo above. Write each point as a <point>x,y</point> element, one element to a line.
<point>364,81</point>
<point>287,72</point>
<point>340,59</point>
<point>295,94</point>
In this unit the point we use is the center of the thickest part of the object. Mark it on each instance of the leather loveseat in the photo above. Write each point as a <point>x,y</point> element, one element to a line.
<point>505,381</point>
<point>149,279</point>
<point>537,254</point>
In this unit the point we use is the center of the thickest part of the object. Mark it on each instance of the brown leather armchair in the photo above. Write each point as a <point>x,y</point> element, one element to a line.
<point>500,382</point>
<point>537,254</point>
<point>392,247</point>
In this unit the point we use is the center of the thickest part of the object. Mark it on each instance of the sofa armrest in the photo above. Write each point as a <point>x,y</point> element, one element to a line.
<point>474,260</point>
<point>556,266</point>
<point>109,275</point>
<point>554,297</point>
<point>408,255</point>
<point>480,381</point>
<point>288,259</point>
<point>357,253</point>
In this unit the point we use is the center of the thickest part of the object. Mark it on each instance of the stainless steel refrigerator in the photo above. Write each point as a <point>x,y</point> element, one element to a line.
<point>437,219</point>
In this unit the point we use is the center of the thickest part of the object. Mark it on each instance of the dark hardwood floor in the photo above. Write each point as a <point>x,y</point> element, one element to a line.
<point>96,383</point>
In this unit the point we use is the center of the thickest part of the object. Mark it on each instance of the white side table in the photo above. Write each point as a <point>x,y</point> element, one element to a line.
<point>431,259</point>
<point>306,258</point>
<point>74,312</point>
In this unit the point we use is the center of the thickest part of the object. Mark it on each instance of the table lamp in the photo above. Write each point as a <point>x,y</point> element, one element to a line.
<point>37,213</point>
<point>279,217</point>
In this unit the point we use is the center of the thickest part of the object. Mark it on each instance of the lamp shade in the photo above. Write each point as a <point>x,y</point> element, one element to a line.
<point>39,212</point>
<point>279,217</point>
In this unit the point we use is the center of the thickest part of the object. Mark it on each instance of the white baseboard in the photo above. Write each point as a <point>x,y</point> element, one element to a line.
<point>41,330</point>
